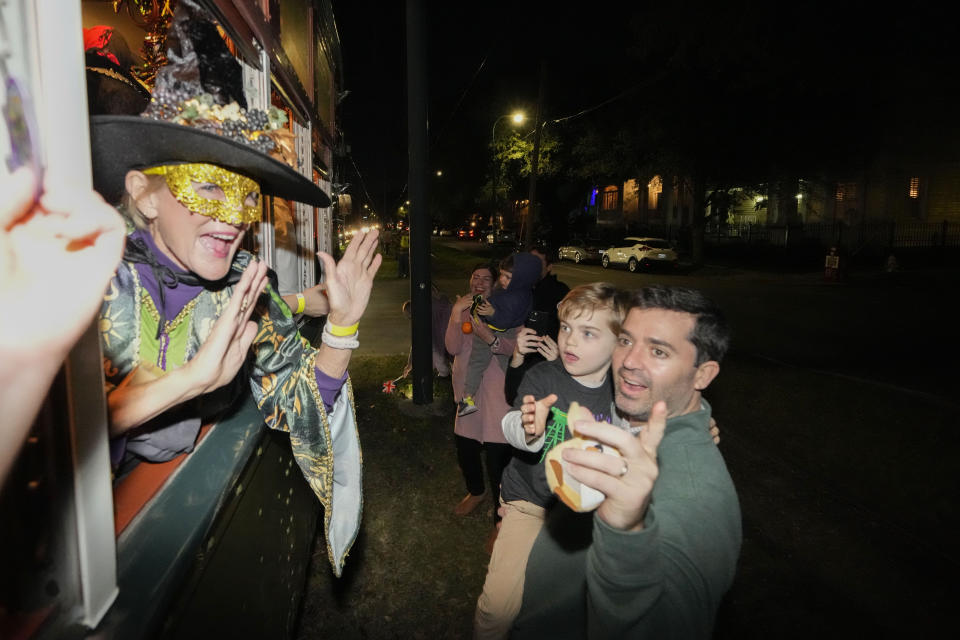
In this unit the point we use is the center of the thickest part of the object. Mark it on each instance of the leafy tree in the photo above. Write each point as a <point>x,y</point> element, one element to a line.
<point>512,164</point>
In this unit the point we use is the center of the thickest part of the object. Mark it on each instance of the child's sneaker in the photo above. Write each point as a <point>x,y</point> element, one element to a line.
<point>466,406</point>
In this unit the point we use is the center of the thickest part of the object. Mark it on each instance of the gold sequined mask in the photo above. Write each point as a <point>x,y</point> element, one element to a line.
<point>212,191</point>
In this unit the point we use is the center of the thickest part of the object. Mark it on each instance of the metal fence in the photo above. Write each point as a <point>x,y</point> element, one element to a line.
<point>863,236</point>
<point>869,237</point>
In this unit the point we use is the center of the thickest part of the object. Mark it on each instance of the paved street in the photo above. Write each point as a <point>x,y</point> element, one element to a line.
<point>833,406</point>
<point>868,328</point>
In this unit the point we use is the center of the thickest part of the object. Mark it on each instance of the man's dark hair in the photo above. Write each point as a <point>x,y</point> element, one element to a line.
<point>507,263</point>
<point>542,250</point>
<point>711,333</point>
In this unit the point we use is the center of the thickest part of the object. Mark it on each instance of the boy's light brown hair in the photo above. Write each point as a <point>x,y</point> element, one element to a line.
<point>587,299</point>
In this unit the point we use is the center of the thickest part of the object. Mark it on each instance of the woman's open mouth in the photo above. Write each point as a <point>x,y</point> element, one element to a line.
<point>218,243</point>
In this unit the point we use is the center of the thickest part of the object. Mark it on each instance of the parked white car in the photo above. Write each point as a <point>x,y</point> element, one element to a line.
<point>640,253</point>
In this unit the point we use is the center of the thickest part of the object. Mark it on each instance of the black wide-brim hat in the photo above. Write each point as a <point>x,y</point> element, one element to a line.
<point>122,143</point>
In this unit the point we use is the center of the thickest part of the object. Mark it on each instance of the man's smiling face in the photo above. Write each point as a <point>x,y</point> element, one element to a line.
<point>654,360</point>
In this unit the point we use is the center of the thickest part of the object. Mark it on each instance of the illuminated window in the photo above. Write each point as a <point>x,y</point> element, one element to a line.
<point>846,191</point>
<point>654,189</point>
<point>914,188</point>
<point>610,198</point>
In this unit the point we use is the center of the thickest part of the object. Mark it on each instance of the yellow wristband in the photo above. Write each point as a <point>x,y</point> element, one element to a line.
<point>301,303</point>
<point>341,332</point>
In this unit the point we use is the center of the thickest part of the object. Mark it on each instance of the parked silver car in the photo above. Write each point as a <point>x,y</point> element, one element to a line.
<point>640,253</point>
<point>581,250</point>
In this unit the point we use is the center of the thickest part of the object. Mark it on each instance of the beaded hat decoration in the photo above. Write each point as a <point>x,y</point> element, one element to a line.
<point>198,114</point>
<point>201,86</point>
<point>212,191</point>
<point>253,127</point>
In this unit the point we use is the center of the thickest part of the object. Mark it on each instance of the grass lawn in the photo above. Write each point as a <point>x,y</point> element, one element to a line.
<point>416,569</point>
<point>445,260</point>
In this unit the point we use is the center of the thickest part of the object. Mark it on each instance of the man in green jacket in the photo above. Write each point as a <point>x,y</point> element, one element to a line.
<point>655,559</point>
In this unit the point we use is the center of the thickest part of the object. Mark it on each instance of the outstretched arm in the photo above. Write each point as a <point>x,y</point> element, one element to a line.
<point>315,302</point>
<point>657,568</point>
<point>56,257</point>
<point>348,285</point>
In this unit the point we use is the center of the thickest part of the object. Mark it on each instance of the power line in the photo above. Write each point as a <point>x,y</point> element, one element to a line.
<point>363,183</point>
<point>464,94</point>
<point>584,112</point>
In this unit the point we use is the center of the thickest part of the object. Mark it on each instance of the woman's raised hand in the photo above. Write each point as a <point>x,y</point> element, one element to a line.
<point>349,281</point>
<point>461,304</point>
<point>225,349</point>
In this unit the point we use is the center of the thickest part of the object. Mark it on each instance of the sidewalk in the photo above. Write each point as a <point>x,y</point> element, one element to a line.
<point>384,329</point>
<point>920,277</point>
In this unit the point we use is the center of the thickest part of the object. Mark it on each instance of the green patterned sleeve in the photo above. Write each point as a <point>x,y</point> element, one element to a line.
<point>284,385</point>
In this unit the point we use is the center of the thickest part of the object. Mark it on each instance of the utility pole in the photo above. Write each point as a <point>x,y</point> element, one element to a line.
<point>535,161</point>
<point>494,179</point>
<point>420,328</point>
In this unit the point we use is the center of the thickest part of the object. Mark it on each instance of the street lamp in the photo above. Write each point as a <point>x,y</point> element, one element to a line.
<point>517,117</point>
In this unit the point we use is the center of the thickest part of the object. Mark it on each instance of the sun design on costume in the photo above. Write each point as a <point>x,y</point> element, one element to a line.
<point>109,323</point>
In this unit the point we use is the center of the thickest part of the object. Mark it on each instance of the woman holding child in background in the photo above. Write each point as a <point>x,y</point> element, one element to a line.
<point>480,430</point>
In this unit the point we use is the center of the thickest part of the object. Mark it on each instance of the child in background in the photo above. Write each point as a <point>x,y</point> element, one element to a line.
<point>590,318</point>
<point>504,311</point>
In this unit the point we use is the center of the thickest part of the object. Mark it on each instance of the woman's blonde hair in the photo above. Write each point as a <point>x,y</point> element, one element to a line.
<point>588,298</point>
<point>128,204</point>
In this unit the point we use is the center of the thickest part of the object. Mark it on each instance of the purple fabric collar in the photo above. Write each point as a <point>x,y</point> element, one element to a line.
<point>175,298</point>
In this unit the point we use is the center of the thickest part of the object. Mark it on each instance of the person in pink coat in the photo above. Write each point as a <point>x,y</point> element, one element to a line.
<point>481,430</point>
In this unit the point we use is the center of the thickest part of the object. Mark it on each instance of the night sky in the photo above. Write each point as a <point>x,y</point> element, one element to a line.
<point>843,76</point>
<point>482,64</point>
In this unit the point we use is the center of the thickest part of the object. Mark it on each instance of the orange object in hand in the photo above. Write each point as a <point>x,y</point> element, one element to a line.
<point>467,327</point>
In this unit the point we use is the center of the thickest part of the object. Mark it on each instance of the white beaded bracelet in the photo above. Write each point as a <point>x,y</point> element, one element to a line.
<point>339,342</point>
